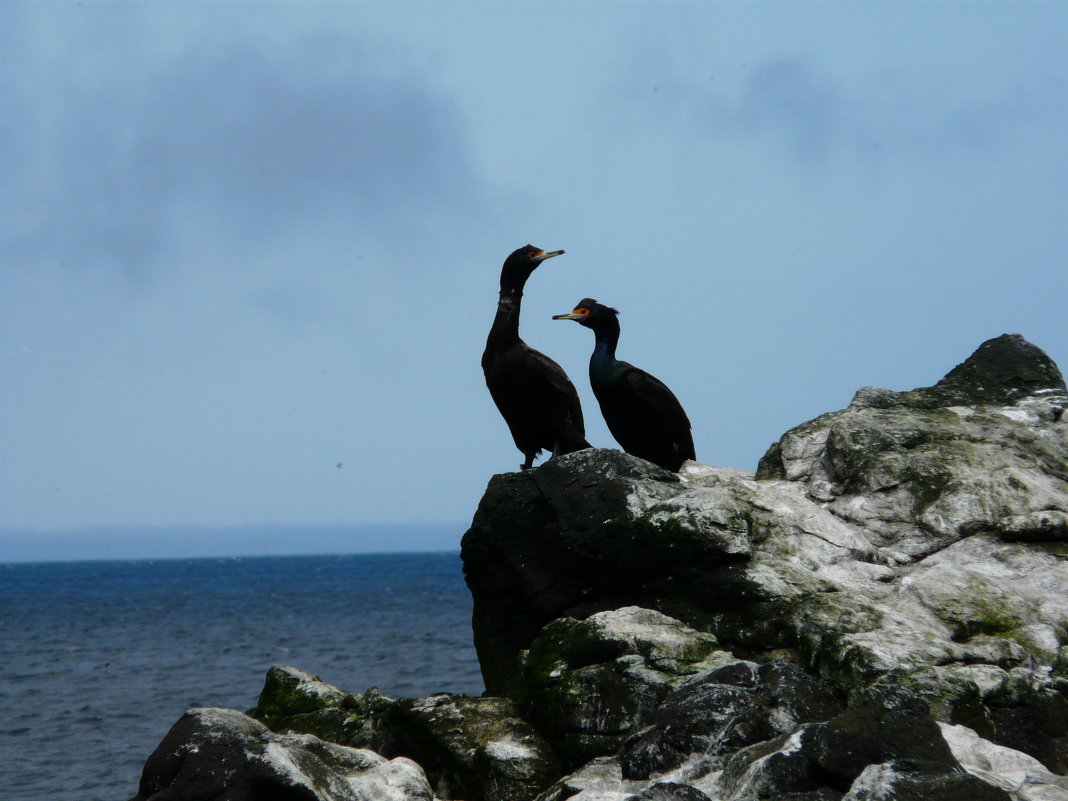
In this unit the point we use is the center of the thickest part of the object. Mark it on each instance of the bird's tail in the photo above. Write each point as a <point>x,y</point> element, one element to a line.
<point>569,440</point>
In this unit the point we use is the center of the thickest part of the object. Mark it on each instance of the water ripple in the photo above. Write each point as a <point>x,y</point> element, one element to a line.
<point>100,658</point>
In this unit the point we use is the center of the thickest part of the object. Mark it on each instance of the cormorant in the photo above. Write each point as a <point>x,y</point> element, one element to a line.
<point>643,415</point>
<point>533,393</point>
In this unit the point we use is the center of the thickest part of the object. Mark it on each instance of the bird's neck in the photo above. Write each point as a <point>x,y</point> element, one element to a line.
<point>604,348</point>
<point>505,328</point>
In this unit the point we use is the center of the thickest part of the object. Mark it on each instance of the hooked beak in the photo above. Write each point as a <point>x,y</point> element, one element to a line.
<point>569,316</point>
<point>543,255</point>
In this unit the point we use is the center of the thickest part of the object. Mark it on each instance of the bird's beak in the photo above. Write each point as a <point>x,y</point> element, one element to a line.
<point>568,316</point>
<point>543,255</point>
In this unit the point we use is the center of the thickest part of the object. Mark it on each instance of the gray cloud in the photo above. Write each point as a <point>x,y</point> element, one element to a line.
<point>813,117</point>
<point>786,101</point>
<point>114,167</point>
<point>303,140</point>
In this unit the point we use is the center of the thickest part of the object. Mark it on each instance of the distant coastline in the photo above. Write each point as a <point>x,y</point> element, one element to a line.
<point>187,542</point>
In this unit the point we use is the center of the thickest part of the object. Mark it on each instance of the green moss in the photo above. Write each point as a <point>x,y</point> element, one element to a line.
<point>985,612</point>
<point>783,547</point>
<point>1060,663</point>
<point>914,446</point>
<point>992,618</point>
<point>568,644</point>
<point>770,465</point>
<point>927,479</point>
<point>286,693</point>
<point>326,724</point>
<point>825,626</point>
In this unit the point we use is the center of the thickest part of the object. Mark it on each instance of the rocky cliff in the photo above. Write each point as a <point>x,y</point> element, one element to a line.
<point>879,612</point>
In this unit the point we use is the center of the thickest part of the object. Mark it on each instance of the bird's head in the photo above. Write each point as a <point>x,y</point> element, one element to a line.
<point>590,313</point>
<point>521,263</point>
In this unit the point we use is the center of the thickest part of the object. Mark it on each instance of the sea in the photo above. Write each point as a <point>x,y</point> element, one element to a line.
<point>99,658</point>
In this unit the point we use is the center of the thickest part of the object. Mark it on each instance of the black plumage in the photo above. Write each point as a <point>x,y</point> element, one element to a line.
<point>643,415</point>
<point>533,393</point>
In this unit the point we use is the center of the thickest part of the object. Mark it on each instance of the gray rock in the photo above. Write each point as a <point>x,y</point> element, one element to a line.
<point>559,541</point>
<point>921,469</point>
<point>1002,370</point>
<point>1023,777</point>
<point>213,754</point>
<point>1044,525</point>
<point>879,612</point>
<point>909,531</point>
<point>670,791</point>
<point>723,710</point>
<point>293,700</point>
<point>589,683</point>
<point>889,781</point>
<point>884,746</point>
<point>470,748</point>
<point>1023,708</point>
<point>599,780</point>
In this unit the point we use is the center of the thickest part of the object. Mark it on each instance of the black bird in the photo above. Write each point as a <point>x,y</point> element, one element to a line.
<point>643,415</point>
<point>533,393</point>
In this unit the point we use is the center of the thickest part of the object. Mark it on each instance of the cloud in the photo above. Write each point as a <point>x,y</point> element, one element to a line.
<point>302,132</point>
<point>814,117</point>
<point>115,161</point>
<point>786,101</point>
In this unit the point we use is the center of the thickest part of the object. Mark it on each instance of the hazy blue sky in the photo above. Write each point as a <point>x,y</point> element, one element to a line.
<point>250,250</point>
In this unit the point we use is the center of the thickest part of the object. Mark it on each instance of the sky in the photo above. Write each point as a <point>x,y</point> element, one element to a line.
<point>250,250</point>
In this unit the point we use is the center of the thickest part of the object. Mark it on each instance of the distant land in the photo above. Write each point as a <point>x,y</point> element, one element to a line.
<point>178,542</point>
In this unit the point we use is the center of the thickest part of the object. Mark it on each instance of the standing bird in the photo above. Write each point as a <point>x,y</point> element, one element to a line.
<point>643,415</point>
<point>533,393</point>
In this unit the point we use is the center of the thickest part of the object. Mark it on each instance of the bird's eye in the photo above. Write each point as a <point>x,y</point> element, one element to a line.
<point>533,254</point>
<point>584,312</point>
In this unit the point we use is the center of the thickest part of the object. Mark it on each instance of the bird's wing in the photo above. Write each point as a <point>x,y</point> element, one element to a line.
<point>656,395</point>
<point>559,381</point>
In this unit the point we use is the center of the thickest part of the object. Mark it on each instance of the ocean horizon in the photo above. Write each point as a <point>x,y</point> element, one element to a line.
<point>102,656</point>
<point>93,543</point>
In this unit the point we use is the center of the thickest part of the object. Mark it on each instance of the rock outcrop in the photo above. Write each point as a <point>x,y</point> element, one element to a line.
<point>879,612</point>
<point>221,753</point>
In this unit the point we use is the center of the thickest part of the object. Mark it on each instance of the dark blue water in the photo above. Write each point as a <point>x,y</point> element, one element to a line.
<point>98,659</point>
